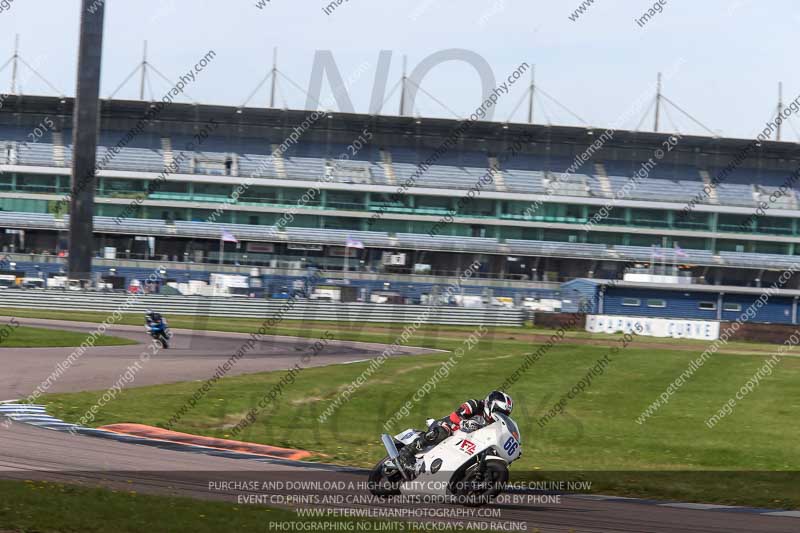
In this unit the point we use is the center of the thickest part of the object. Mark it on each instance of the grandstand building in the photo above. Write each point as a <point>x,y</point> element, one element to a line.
<point>401,194</point>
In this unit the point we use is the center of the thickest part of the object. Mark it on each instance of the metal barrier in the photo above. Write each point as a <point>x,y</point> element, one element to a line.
<point>205,306</point>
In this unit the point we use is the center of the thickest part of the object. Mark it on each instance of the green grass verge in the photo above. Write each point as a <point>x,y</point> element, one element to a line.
<point>596,433</point>
<point>52,507</point>
<point>29,337</point>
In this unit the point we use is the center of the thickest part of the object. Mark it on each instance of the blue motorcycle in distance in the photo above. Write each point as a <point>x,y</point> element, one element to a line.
<point>160,332</point>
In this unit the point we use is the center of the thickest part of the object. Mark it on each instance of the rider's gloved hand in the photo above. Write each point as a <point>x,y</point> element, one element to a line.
<point>436,433</point>
<point>469,425</point>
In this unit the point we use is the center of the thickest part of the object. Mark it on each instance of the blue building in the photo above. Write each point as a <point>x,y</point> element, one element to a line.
<point>685,301</point>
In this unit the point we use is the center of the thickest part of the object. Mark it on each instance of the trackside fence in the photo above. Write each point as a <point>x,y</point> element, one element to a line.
<point>258,308</point>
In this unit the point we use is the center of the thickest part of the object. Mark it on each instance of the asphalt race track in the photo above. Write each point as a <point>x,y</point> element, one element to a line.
<point>29,452</point>
<point>192,355</point>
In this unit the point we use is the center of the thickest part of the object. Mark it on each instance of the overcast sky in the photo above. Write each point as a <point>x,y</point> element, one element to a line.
<point>731,53</point>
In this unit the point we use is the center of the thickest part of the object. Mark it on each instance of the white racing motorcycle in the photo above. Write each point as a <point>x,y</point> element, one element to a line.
<point>470,467</point>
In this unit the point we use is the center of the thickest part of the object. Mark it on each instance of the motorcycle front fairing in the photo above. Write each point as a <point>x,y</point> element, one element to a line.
<point>408,436</point>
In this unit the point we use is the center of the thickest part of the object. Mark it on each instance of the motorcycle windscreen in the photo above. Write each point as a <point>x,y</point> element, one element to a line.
<point>511,425</point>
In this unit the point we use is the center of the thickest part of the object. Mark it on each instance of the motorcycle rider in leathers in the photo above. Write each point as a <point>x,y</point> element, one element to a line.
<point>471,415</point>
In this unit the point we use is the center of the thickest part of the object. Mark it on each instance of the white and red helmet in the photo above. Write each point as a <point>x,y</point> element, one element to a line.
<point>497,402</point>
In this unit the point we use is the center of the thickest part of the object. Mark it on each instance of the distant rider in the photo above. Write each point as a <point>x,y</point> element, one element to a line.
<point>153,319</point>
<point>471,415</point>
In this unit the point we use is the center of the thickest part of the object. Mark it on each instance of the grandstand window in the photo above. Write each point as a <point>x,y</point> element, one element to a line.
<point>692,243</point>
<point>631,302</point>
<point>649,217</point>
<point>510,233</point>
<point>693,220</point>
<point>344,200</point>
<point>265,195</point>
<point>478,207</point>
<point>550,211</point>
<point>393,200</point>
<point>511,207</point>
<point>732,307</point>
<point>122,186</point>
<point>654,302</point>
<point>212,191</point>
<point>771,248</point>
<point>597,237</point>
<point>172,187</point>
<point>614,218</point>
<point>34,183</point>
<point>735,223</point>
<point>478,231</point>
<point>724,245</point>
<point>645,240</point>
<point>341,223</point>
<point>438,203</point>
<point>575,211</point>
<point>774,225</point>
<point>707,306</point>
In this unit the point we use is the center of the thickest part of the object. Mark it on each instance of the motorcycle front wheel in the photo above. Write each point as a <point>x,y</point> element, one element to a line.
<point>383,484</point>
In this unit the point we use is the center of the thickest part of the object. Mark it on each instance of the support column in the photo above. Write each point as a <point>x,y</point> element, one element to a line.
<point>84,141</point>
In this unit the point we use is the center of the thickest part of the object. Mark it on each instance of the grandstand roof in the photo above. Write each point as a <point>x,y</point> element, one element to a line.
<point>123,114</point>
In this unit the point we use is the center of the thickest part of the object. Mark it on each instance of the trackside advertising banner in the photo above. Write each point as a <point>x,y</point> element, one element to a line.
<point>654,327</point>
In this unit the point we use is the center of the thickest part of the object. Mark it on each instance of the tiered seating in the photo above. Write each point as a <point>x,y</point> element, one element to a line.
<point>766,260</point>
<point>36,154</point>
<point>445,173</point>
<point>138,226</point>
<point>645,253</point>
<point>524,181</point>
<point>134,159</point>
<point>746,187</point>
<point>558,249</point>
<point>672,183</point>
<point>455,169</point>
<point>338,237</point>
<point>450,243</point>
<point>260,166</point>
<point>27,220</point>
<point>735,194</point>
